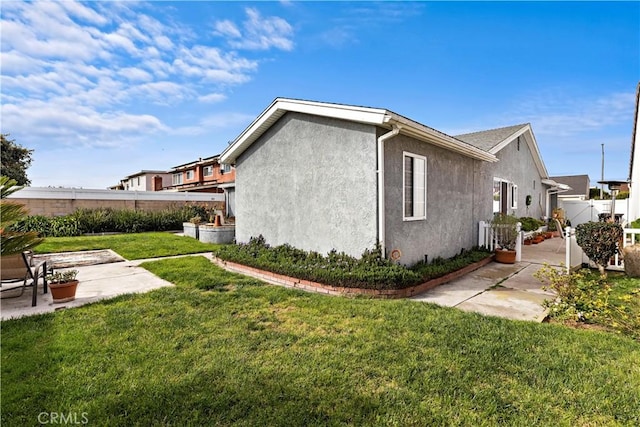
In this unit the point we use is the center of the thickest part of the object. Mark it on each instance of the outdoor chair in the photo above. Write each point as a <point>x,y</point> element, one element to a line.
<point>562,234</point>
<point>22,269</point>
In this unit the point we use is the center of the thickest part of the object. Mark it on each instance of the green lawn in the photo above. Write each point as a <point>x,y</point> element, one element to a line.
<point>130,246</point>
<point>219,349</point>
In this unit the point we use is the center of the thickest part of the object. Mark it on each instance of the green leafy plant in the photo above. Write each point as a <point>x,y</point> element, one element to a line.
<point>370,271</point>
<point>529,223</point>
<point>62,276</point>
<point>636,223</point>
<point>505,229</point>
<point>106,220</point>
<point>599,241</point>
<point>13,241</point>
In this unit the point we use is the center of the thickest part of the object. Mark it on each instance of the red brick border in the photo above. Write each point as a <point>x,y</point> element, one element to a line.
<point>306,285</point>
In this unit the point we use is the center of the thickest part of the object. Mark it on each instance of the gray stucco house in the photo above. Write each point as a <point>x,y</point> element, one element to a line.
<point>324,176</point>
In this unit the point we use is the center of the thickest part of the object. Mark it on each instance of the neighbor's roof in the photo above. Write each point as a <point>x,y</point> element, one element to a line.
<point>579,184</point>
<point>374,116</point>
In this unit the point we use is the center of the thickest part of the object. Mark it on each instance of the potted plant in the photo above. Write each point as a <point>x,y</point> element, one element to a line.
<point>63,285</point>
<point>505,228</point>
<point>537,238</point>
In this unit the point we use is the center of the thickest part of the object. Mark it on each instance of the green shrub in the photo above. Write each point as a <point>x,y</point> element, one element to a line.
<point>586,297</point>
<point>636,223</point>
<point>370,271</point>
<point>105,220</point>
<point>530,224</point>
<point>599,241</point>
<point>580,298</point>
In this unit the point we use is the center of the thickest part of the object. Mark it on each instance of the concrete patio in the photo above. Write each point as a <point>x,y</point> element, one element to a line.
<point>503,290</point>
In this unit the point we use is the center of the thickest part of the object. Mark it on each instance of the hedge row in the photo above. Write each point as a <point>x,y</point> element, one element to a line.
<point>371,271</point>
<point>107,220</point>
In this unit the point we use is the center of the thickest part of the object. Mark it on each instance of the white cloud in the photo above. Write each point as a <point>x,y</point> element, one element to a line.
<point>560,114</point>
<point>260,33</point>
<point>71,71</point>
<point>227,28</point>
<point>212,98</point>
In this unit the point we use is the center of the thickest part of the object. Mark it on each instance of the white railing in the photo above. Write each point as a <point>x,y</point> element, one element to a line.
<point>489,235</point>
<point>575,255</point>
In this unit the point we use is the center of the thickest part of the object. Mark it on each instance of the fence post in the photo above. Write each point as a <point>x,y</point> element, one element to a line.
<point>519,242</point>
<point>567,250</point>
<point>482,227</point>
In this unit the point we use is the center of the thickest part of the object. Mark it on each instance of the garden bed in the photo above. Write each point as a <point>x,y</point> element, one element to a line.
<point>307,285</point>
<point>340,273</point>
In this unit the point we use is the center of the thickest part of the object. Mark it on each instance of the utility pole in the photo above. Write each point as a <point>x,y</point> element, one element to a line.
<point>602,175</point>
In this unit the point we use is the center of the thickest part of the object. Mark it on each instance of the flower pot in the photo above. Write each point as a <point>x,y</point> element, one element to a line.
<point>63,292</point>
<point>528,241</point>
<point>505,257</point>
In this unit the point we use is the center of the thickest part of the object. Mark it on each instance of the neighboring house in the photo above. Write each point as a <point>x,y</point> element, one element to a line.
<point>634,166</point>
<point>145,180</point>
<point>580,186</point>
<point>206,175</point>
<point>323,176</point>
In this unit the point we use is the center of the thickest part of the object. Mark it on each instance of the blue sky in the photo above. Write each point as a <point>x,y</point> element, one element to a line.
<point>101,90</point>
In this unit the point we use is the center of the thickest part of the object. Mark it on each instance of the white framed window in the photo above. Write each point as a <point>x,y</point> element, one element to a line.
<point>207,170</point>
<point>138,180</point>
<point>189,174</point>
<point>225,168</point>
<point>176,179</point>
<point>414,186</point>
<point>514,196</point>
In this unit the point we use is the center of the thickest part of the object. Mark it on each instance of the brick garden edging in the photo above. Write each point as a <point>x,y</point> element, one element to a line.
<point>306,285</point>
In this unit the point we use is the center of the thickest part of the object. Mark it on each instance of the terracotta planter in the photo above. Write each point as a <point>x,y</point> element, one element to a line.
<point>528,242</point>
<point>63,292</point>
<point>548,235</point>
<point>505,257</point>
<point>537,240</point>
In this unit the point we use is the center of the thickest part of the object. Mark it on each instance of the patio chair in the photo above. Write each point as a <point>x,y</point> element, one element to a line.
<point>24,270</point>
<point>562,234</point>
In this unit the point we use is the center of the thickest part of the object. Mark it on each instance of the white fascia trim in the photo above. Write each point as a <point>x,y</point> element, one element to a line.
<point>432,136</point>
<point>280,106</point>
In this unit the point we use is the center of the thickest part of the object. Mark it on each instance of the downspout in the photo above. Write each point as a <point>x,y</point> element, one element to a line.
<point>381,214</point>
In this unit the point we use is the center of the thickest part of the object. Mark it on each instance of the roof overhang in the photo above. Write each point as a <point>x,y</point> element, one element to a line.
<point>556,186</point>
<point>373,116</point>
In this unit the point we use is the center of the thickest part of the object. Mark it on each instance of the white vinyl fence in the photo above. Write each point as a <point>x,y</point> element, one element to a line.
<point>489,236</point>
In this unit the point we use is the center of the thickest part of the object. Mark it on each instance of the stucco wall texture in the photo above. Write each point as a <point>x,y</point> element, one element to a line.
<point>310,182</point>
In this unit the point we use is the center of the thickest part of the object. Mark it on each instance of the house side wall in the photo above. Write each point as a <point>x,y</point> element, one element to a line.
<point>634,202</point>
<point>451,186</point>
<point>516,166</point>
<point>310,182</point>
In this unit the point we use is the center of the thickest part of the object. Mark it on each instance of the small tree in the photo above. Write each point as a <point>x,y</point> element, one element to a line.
<point>599,241</point>
<point>15,160</point>
<point>13,242</point>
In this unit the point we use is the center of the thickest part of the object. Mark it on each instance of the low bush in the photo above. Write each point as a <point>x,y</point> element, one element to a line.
<point>107,220</point>
<point>530,224</point>
<point>370,271</point>
<point>636,223</point>
<point>587,297</point>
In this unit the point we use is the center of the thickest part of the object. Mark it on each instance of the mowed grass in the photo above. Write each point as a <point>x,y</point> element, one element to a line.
<point>219,349</point>
<point>130,246</point>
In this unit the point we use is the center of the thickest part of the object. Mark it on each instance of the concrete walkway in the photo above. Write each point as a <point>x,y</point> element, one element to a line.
<point>503,290</point>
